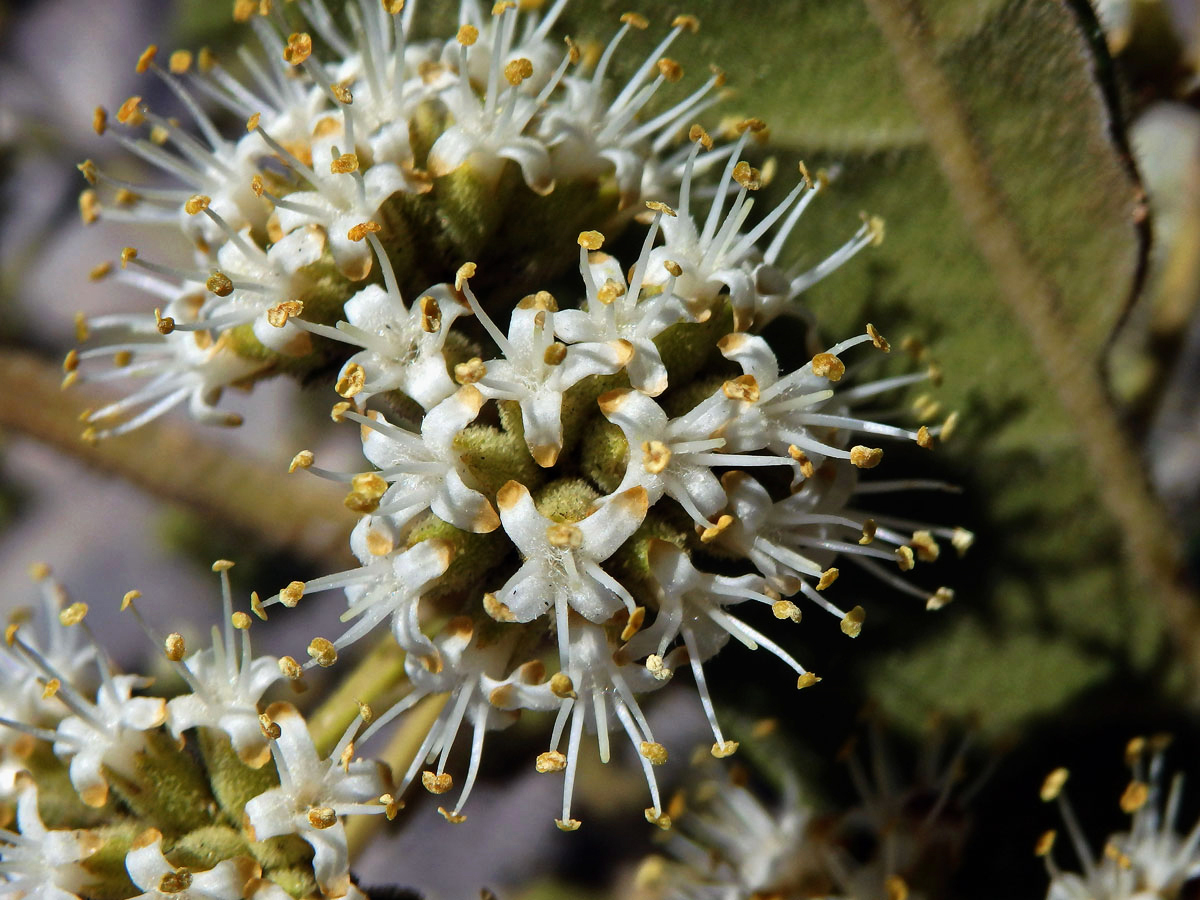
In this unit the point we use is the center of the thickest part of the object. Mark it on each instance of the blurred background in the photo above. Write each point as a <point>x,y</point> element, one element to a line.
<point>1053,654</point>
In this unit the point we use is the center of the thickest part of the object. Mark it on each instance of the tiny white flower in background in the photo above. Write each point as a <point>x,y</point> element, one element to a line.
<point>151,871</point>
<point>314,794</point>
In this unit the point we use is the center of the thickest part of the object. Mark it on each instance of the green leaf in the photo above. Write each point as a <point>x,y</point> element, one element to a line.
<point>1045,612</point>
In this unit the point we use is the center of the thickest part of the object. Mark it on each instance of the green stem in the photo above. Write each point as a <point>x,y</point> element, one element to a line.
<point>1151,546</point>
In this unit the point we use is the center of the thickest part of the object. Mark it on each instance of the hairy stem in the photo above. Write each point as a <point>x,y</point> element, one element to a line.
<point>1152,548</point>
<point>174,463</point>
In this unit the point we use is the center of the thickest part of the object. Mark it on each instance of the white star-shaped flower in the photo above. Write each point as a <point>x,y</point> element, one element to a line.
<point>151,871</point>
<point>426,471</point>
<point>313,794</point>
<point>561,565</point>
<point>39,863</point>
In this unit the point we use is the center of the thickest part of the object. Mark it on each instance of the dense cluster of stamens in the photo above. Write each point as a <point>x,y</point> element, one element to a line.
<point>568,498</point>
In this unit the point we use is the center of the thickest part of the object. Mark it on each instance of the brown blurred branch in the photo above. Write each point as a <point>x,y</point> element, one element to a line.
<point>1151,545</point>
<point>175,463</point>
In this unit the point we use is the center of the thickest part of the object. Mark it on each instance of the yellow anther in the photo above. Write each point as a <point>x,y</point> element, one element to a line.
<point>344,164</point>
<point>130,112</point>
<point>129,597</point>
<point>635,20</point>
<point>437,784</point>
<point>270,730</point>
<point>342,94</point>
<point>322,817</point>
<point>568,825</point>
<point>302,460</point>
<point>470,371</point>
<point>252,123</point>
<point>1053,784</point>
<point>566,536</point>
<point>724,749</point>
<point>291,594</point>
<point>905,558</point>
<point>828,577</point>
<point>634,625</point>
<point>744,388</point>
<point>73,614</point>
<point>808,679</point>
<point>866,457</point>
<point>298,49</point>
<point>1045,843</point>
<point>656,206</point>
<point>878,339</point>
<point>51,688</point>
<point>1134,797</point>
<point>99,272</point>
<point>323,652</point>
<point>852,622</point>
<point>174,646</point>
<point>828,366</point>
<point>939,598</point>
<point>697,133</point>
<point>868,531</point>
<point>656,456</point>
<point>99,120</point>
<point>180,62</point>
<point>220,284</point>
<point>747,176</point>
<point>562,686</point>
<point>361,230</point>
<point>465,272</point>
<point>353,379</point>
<point>610,292</point>
<point>468,35</point>
<point>196,203</point>
<point>146,59</point>
<point>672,267</point>
<point>591,240</point>
<point>550,761</point>
<point>786,609</point>
<point>712,532</point>
<point>655,752</point>
<point>290,669</point>
<point>687,23</point>
<point>518,70</point>
<point>927,548</point>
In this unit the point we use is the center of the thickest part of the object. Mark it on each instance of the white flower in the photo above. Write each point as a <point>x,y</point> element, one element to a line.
<point>40,863</point>
<point>488,131</point>
<point>471,671</point>
<point>426,471</point>
<point>676,456</point>
<point>402,346</point>
<point>615,311</point>
<point>587,132</point>
<point>535,371</point>
<point>151,871</point>
<point>692,607</point>
<point>314,793</point>
<point>389,584</point>
<point>263,284</point>
<point>106,734</point>
<point>595,689</point>
<point>788,415</point>
<point>561,567</point>
<point>179,367</point>
<point>227,683</point>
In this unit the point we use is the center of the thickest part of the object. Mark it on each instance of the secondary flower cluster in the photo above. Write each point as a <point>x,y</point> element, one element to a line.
<point>900,840</point>
<point>170,796</point>
<point>581,489</point>
<point>1151,859</point>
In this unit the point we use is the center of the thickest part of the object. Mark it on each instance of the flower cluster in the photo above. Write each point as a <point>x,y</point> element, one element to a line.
<point>567,498</point>
<point>390,145</point>
<point>1151,859</point>
<point>899,841</point>
<point>170,796</point>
